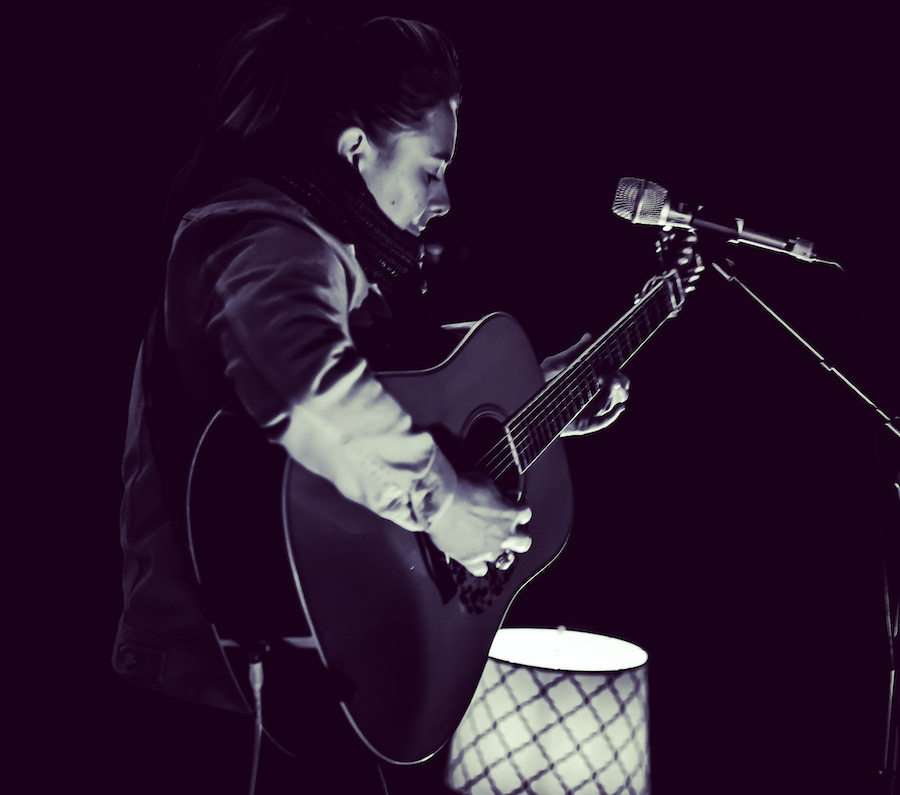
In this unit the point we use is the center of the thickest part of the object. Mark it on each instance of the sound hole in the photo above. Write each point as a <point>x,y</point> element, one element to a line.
<point>485,449</point>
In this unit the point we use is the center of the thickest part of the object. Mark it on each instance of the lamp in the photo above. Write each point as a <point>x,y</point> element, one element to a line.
<point>556,711</point>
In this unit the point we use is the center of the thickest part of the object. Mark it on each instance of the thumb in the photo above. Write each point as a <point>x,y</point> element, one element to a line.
<point>478,569</point>
<point>582,343</point>
<point>553,365</point>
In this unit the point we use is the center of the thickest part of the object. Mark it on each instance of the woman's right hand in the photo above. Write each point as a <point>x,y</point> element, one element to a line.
<point>480,525</point>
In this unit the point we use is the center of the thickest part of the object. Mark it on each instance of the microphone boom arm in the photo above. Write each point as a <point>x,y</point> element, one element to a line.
<point>641,201</point>
<point>887,420</point>
<point>741,234</point>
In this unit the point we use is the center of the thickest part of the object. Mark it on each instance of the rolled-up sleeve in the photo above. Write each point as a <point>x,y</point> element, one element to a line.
<point>278,301</point>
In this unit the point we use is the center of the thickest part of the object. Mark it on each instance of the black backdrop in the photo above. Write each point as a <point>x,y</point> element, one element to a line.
<point>732,522</point>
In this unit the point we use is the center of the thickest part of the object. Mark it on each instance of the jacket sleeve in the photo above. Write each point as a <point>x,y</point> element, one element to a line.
<point>279,307</point>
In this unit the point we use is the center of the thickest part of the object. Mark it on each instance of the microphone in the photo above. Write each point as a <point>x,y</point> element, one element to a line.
<point>643,202</point>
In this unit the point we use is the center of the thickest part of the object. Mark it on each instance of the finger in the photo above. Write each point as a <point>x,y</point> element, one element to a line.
<point>553,365</point>
<point>620,392</point>
<point>525,515</point>
<point>612,381</point>
<point>565,357</point>
<point>518,542</point>
<point>505,511</point>
<point>478,569</point>
<point>597,422</point>
<point>606,417</point>
<point>609,417</point>
<point>622,381</point>
<point>617,393</point>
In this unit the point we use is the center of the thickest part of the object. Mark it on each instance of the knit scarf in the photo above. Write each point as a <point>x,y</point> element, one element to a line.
<point>337,197</point>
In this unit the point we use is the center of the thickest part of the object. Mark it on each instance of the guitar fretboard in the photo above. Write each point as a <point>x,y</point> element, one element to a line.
<point>542,419</point>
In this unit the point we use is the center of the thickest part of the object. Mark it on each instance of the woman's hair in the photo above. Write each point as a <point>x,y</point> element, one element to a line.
<point>282,84</point>
<point>283,89</point>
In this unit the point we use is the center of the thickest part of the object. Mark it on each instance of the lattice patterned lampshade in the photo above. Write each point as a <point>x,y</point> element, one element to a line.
<point>556,712</point>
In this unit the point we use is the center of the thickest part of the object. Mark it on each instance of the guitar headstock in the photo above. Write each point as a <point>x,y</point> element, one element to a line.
<point>675,250</point>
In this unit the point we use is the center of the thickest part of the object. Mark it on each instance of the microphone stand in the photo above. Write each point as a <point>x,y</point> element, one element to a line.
<point>891,755</point>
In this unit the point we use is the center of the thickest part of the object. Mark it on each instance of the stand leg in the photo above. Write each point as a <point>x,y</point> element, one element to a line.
<point>892,624</point>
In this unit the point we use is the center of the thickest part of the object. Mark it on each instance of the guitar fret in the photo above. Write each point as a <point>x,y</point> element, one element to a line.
<point>540,435</point>
<point>618,347</point>
<point>660,310</point>
<point>626,333</point>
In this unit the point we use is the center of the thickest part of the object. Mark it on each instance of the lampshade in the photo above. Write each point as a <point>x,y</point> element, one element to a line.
<point>556,711</point>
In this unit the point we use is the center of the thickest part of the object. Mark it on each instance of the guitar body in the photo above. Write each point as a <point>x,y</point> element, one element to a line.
<point>403,633</point>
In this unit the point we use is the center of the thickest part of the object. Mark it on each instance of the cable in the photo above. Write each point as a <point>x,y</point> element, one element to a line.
<point>256,683</point>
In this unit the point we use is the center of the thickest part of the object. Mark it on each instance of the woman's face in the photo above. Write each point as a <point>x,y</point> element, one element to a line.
<point>406,175</point>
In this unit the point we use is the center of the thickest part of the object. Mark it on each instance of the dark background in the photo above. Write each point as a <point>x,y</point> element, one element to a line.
<point>732,522</point>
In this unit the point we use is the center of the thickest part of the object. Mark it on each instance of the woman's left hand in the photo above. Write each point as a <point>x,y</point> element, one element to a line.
<point>606,407</point>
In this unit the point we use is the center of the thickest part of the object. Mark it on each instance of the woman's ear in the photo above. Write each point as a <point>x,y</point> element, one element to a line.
<point>354,146</point>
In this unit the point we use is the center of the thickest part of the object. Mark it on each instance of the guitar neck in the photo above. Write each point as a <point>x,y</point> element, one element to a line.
<point>540,421</point>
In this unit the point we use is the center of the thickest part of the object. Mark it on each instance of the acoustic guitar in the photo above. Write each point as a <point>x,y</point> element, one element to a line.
<point>403,632</point>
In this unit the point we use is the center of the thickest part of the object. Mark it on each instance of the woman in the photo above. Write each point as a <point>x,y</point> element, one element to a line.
<point>294,272</point>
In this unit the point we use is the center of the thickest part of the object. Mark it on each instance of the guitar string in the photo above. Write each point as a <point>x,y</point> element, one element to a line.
<point>560,401</point>
<point>541,433</point>
<point>558,394</point>
<point>584,382</point>
<point>500,458</point>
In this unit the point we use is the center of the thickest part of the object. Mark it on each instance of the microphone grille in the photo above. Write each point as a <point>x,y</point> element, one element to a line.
<point>640,201</point>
